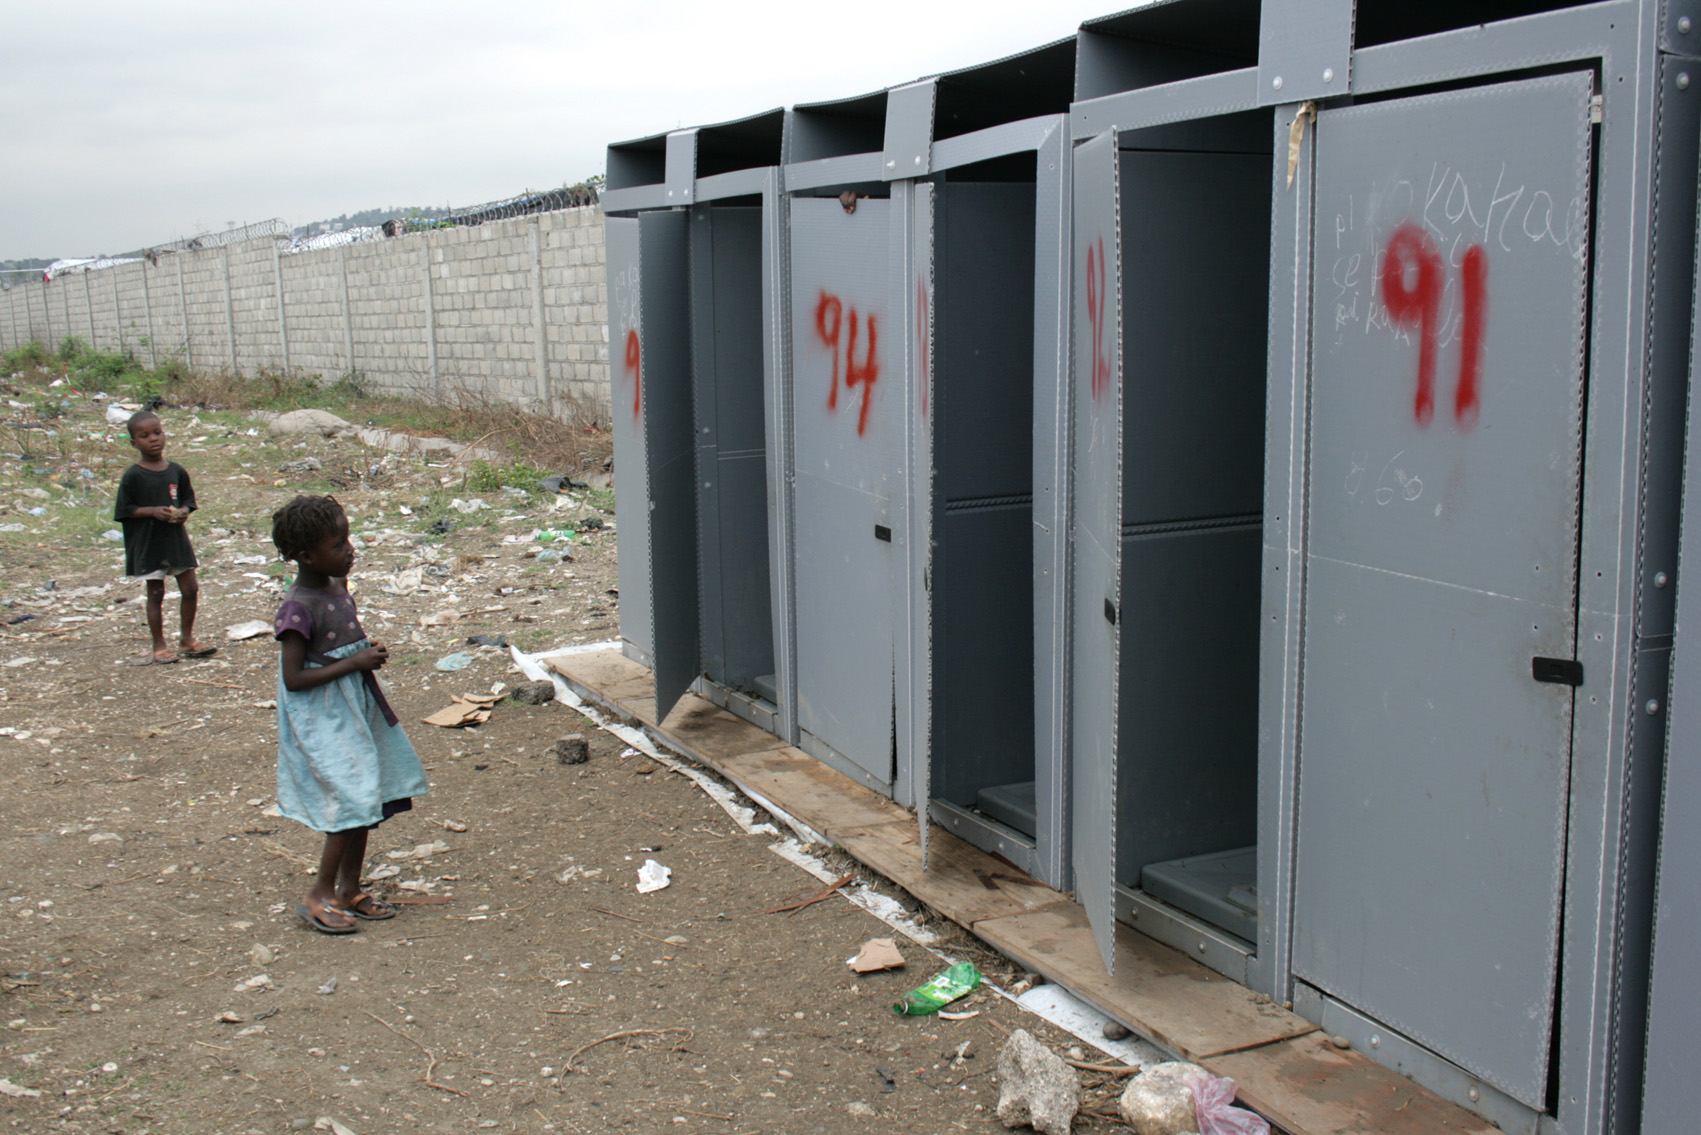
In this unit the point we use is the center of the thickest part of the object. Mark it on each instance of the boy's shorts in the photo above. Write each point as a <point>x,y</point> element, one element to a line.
<point>163,573</point>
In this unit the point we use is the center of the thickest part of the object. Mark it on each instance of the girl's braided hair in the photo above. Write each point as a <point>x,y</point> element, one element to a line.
<point>303,522</point>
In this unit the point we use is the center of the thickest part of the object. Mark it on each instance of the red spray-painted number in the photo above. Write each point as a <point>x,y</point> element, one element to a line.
<point>924,333</point>
<point>830,321</point>
<point>632,366</point>
<point>1417,303</point>
<point>1095,318</point>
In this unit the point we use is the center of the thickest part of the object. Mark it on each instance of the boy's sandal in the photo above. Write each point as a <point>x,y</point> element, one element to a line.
<point>369,907</point>
<point>305,913</point>
<point>196,650</point>
<point>164,657</point>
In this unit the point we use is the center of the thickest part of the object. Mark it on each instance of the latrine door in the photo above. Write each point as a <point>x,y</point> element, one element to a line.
<point>625,293</point>
<point>663,391</point>
<point>849,450</point>
<point>1096,400</point>
<point>1450,272</point>
<point>732,458</point>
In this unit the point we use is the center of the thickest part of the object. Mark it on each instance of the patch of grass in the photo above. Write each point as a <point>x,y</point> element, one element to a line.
<point>600,499</point>
<point>483,477</point>
<point>30,356</point>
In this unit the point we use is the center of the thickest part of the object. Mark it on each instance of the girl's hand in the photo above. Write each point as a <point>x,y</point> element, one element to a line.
<point>372,658</point>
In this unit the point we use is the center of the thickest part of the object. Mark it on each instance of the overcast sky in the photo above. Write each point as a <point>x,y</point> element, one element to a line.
<point>126,124</point>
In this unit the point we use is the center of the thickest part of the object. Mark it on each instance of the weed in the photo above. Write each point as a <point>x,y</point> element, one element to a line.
<point>31,354</point>
<point>600,499</point>
<point>484,477</point>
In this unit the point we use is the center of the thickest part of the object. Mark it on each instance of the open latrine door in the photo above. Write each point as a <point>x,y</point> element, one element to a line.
<point>662,362</point>
<point>1450,251</point>
<point>1097,407</point>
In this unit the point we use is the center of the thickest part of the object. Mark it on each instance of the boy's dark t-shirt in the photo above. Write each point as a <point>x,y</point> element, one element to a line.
<point>150,545</point>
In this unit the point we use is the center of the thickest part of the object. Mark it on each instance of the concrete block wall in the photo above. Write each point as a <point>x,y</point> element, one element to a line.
<point>313,315</point>
<point>254,306</point>
<point>512,312</point>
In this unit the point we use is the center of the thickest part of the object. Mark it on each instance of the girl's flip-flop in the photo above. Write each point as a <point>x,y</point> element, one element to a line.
<point>377,910</point>
<point>197,651</point>
<point>306,915</point>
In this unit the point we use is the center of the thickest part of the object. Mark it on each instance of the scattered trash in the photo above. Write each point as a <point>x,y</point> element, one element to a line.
<point>591,524</point>
<point>572,749</point>
<point>459,713</point>
<point>560,484</point>
<point>652,876</point>
<point>38,512</point>
<point>419,851</point>
<point>877,954</point>
<point>251,560</point>
<point>939,991</point>
<point>112,534</point>
<point>325,1122</point>
<point>550,535</point>
<point>302,465</point>
<point>533,693</point>
<point>1213,1105</point>
<point>489,640</point>
<point>453,662</point>
<point>453,825</point>
<point>329,986</point>
<point>1036,1087</point>
<point>231,1018</point>
<point>258,981</point>
<point>261,955</point>
<point>387,871</point>
<point>321,422</point>
<point>947,1015</point>
<point>476,504</point>
<point>16,619</point>
<point>253,628</point>
<point>442,527</point>
<point>117,415</point>
<point>7,1088</point>
<point>405,582</point>
<point>553,556</point>
<point>439,618</point>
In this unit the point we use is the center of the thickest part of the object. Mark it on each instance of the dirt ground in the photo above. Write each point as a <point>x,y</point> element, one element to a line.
<point>152,976</point>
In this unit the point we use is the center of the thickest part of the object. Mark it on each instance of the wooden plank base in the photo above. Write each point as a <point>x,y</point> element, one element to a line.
<point>1284,1067</point>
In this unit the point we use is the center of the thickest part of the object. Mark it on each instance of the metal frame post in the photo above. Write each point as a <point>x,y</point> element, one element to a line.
<point>283,323</point>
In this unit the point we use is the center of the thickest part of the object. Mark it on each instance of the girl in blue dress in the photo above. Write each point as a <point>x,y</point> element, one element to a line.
<point>344,764</point>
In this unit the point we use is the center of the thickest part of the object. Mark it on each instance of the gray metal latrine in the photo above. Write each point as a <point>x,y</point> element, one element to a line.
<point>1297,582</point>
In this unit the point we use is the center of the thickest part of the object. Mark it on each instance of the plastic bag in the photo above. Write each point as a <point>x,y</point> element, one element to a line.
<point>1213,1106</point>
<point>939,991</point>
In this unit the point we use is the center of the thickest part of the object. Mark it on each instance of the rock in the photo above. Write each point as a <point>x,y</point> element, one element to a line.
<point>533,693</point>
<point>1036,1087</point>
<point>573,749</point>
<point>321,422</point>
<point>1116,1030</point>
<point>861,1109</point>
<point>302,465</point>
<point>1157,1102</point>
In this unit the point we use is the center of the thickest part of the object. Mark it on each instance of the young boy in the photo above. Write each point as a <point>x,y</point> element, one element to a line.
<point>154,500</point>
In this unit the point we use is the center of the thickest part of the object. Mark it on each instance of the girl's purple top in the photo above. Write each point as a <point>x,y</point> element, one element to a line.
<point>326,619</point>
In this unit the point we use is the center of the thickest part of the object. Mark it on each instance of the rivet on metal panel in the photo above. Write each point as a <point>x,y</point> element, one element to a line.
<point>1653,706</point>
<point>1328,74</point>
<point>892,165</point>
<point>1201,947</point>
<point>1276,83</point>
<point>1683,25</point>
<point>1475,1095</point>
<point>1375,1042</point>
<point>1660,579</point>
<point>1683,80</point>
<point>918,159</point>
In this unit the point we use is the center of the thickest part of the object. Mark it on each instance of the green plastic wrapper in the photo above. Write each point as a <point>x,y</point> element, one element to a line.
<point>939,991</point>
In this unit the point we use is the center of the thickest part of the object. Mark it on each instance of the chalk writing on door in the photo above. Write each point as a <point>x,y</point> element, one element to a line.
<point>833,323</point>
